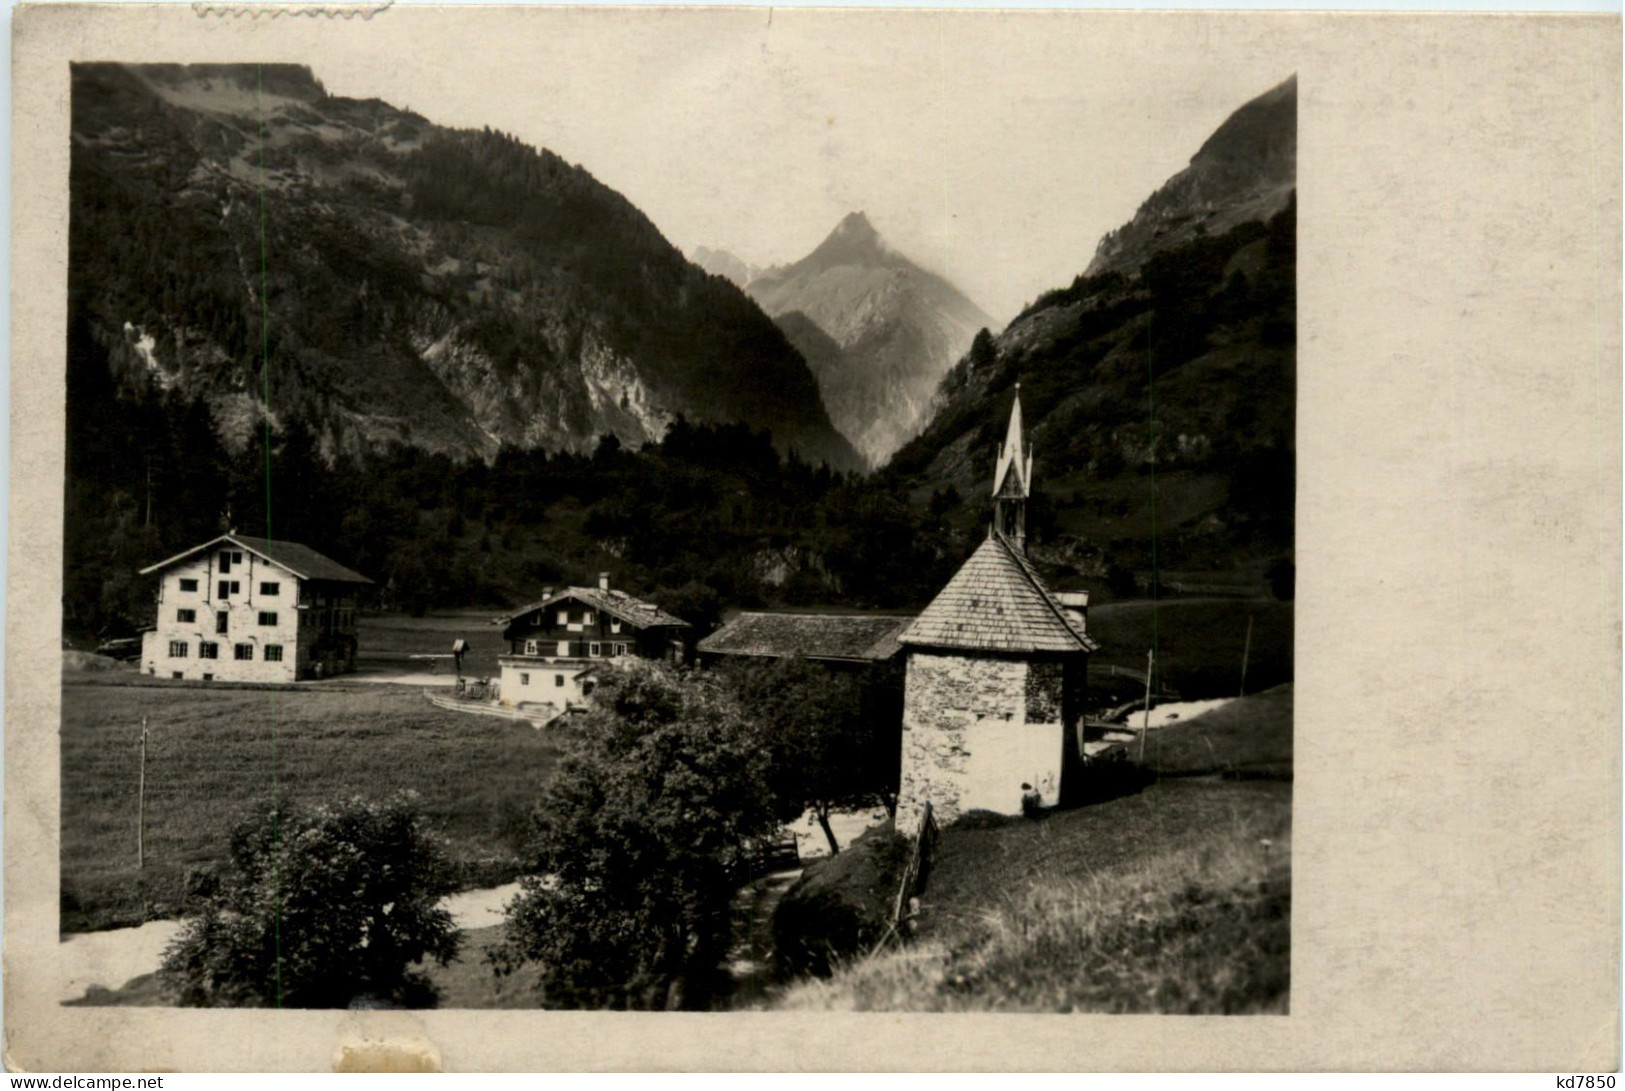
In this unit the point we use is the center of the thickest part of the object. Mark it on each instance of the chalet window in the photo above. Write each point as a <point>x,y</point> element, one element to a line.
<point>530,647</point>
<point>524,679</point>
<point>558,681</point>
<point>564,648</point>
<point>273,653</point>
<point>229,588</point>
<point>592,649</point>
<point>186,617</point>
<point>586,688</point>
<point>177,649</point>
<point>188,585</point>
<point>208,678</point>
<point>586,618</point>
<point>227,559</point>
<point>221,621</point>
<point>267,617</point>
<point>620,649</point>
<point>176,674</point>
<point>242,652</point>
<point>564,617</point>
<point>270,588</point>
<point>614,626</point>
<point>208,650</point>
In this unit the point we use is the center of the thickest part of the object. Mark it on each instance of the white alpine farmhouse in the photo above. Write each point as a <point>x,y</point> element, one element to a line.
<point>240,609</point>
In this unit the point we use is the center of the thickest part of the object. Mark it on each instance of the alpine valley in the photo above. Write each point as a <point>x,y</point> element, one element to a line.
<point>467,369</point>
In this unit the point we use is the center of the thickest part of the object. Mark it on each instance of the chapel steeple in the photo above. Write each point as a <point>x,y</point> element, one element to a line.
<point>1013,481</point>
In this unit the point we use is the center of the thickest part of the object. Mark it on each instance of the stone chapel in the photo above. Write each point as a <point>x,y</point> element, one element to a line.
<point>997,665</point>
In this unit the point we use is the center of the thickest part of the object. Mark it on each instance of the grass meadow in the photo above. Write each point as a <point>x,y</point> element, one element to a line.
<point>1174,899</point>
<point>1199,643</point>
<point>216,755</point>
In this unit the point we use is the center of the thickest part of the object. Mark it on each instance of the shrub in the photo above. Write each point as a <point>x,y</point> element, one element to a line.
<point>840,907</point>
<point>636,843</point>
<point>323,908</point>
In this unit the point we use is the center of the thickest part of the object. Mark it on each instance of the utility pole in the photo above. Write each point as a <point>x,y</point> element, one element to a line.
<point>1145,724</point>
<point>141,804</point>
<point>1246,648</point>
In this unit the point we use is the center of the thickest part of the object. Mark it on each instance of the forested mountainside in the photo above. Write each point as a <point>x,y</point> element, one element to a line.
<point>455,291</point>
<point>895,327</point>
<point>1160,393</point>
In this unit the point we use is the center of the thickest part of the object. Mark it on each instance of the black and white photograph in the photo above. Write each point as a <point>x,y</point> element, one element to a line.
<point>738,539</point>
<point>714,577</point>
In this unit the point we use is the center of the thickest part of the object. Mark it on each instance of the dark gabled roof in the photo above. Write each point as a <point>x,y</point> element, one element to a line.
<point>850,637</point>
<point>997,602</point>
<point>635,612</point>
<point>301,560</point>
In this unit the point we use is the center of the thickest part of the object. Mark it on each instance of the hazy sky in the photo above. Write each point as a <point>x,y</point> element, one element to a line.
<point>995,149</point>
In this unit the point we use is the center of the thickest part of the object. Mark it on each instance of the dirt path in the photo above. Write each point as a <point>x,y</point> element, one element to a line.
<point>750,956</point>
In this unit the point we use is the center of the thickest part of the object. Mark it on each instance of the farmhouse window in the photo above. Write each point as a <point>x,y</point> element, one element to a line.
<point>564,617</point>
<point>177,649</point>
<point>208,677</point>
<point>558,681</point>
<point>176,674</point>
<point>221,620</point>
<point>229,558</point>
<point>564,648</point>
<point>242,651</point>
<point>229,588</point>
<point>620,649</point>
<point>188,585</point>
<point>186,616</point>
<point>586,618</point>
<point>208,650</point>
<point>614,626</point>
<point>530,647</point>
<point>267,617</point>
<point>273,653</point>
<point>270,588</point>
<point>524,679</point>
<point>592,649</point>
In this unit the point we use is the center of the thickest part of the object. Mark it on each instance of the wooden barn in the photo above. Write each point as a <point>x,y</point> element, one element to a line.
<point>836,640</point>
<point>556,643</point>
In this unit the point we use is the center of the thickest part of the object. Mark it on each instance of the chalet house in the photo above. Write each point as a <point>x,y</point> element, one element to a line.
<point>556,644</point>
<point>240,609</point>
<point>997,665</point>
<point>838,641</point>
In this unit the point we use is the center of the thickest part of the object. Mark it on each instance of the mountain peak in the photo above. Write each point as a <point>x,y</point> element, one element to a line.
<point>854,240</point>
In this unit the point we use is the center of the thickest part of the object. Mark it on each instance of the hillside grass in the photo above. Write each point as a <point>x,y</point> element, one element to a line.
<point>1199,643</point>
<point>218,755</point>
<point>1173,899</point>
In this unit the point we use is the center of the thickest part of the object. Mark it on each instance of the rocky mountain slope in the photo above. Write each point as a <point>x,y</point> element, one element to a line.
<point>725,264</point>
<point>1159,389</point>
<point>1244,172</point>
<point>898,329</point>
<point>454,291</point>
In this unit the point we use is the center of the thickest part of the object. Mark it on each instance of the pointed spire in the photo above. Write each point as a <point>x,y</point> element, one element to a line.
<point>1012,477</point>
<point>1013,481</point>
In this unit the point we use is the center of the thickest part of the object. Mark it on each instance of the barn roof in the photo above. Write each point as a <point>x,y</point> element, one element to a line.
<point>849,637</point>
<point>301,560</point>
<point>635,612</point>
<point>997,602</point>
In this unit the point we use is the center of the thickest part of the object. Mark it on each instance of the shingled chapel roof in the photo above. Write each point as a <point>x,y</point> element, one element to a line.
<point>997,602</point>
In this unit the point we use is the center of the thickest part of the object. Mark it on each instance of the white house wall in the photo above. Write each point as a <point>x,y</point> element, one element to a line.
<point>243,622</point>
